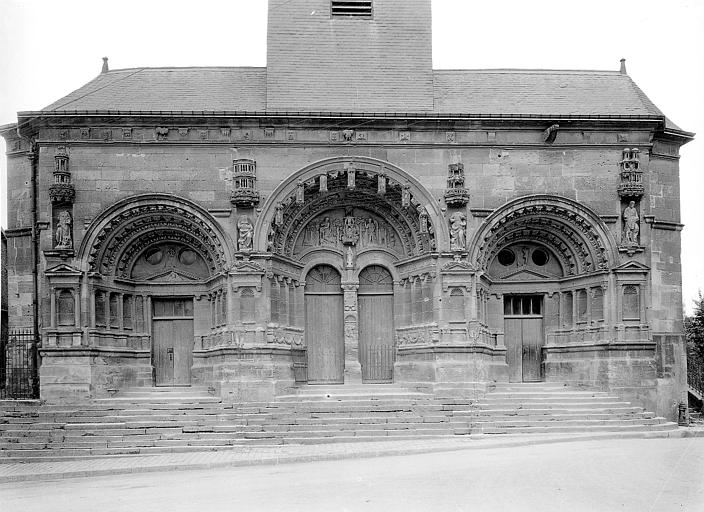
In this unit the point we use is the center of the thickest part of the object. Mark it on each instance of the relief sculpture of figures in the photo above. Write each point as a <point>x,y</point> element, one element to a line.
<point>458,236</point>
<point>348,230</point>
<point>245,231</point>
<point>631,221</point>
<point>63,232</point>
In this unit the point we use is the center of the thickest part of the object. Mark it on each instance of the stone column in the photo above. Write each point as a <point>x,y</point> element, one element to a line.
<point>353,368</point>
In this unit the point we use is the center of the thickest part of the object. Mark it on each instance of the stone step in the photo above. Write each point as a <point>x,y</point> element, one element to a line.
<point>549,404</point>
<point>581,428</point>
<point>566,422</point>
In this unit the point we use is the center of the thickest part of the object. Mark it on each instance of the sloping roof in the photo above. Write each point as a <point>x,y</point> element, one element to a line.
<point>539,92</point>
<point>471,92</point>
<point>149,89</point>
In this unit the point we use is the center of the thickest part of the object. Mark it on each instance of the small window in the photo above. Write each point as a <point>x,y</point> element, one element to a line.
<point>100,308</point>
<point>456,305</point>
<point>506,257</point>
<point>66,308</point>
<point>247,306</point>
<point>351,8</point>
<point>597,304</point>
<point>127,311</point>
<point>540,257</point>
<point>631,303</point>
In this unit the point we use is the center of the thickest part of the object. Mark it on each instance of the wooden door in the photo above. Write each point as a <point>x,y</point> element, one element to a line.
<point>172,335</point>
<point>325,342</point>
<point>376,324</point>
<point>523,335</point>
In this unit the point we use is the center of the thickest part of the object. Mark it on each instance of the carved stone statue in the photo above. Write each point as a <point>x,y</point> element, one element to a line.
<point>458,234</point>
<point>245,232</point>
<point>631,224</point>
<point>63,236</point>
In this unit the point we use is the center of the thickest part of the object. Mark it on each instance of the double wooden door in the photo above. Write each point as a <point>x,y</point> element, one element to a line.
<point>324,326</point>
<point>523,335</point>
<point>376,324</point>
<point>172,341</point>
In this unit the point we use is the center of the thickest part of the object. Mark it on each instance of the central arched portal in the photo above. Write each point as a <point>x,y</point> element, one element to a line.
<point>324,328</point>
<point>376,324</point>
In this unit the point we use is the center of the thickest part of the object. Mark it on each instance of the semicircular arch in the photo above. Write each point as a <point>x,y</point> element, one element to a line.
<point>403,196</point>
<point>123,231</point>
<point>574,232</point>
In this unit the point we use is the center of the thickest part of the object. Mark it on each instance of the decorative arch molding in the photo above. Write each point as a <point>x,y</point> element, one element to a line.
<point>575,233</point>
<point>400,198</point>
<point>122,232</point>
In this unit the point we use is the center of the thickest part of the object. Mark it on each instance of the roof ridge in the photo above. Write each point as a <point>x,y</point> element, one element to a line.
<point>536,71</point>
<point>182,68</point>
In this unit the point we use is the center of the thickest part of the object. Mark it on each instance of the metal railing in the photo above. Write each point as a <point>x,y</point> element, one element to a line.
<point>695,374</point>
<point>18,374</point>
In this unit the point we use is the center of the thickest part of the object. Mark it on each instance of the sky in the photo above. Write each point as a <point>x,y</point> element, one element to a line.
<point>49,48</point>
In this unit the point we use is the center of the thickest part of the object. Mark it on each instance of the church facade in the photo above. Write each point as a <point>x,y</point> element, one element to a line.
<point>349,214</point>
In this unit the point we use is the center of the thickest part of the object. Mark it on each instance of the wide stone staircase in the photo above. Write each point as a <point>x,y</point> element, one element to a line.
<point>165,420</point>
<point>545,408</point>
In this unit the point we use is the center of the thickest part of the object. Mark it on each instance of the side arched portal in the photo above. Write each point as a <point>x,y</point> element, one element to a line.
<point>545,261</point>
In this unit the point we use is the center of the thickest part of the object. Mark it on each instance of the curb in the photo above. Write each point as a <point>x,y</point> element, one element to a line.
<point>468,443</point>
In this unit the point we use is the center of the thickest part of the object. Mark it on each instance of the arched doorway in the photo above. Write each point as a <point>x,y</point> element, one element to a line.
<point>323,326</point>
<point>376,324</point>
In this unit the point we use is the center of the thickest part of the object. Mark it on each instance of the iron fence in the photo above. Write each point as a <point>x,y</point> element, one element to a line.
<point>18,372</point>
<point>378,363</point>
<point>695,373</point>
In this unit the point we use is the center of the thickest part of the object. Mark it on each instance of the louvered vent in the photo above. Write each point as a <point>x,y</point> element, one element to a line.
<point>353,8</point>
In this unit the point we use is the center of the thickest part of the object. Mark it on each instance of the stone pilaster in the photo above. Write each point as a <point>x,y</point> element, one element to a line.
<point>353,368</point>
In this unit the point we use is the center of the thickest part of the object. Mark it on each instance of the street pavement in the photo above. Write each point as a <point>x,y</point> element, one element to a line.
<point>588,475</point>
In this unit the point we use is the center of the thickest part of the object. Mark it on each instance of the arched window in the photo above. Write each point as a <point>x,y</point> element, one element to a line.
<point>114,317</point>
<point>456,305</point>
<point>291,304</point>
<point>275,301</point>
<point>223,308</point>
<point>65,306</point>
<point>139,313</point>
<point>417,312</point>
<point>100,308</point>
<point>567,309</point>
<point>247,305</point>
<point>631,303</point>
<point>581,305</point>
<point>127,311</point>
<point>597,304</point>
<point>427,301</point>
<point>407,303</point>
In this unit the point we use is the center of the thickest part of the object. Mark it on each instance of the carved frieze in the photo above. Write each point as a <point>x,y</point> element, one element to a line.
<point>161,132</point>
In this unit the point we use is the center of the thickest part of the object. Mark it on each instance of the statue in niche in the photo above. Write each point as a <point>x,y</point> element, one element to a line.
<point>351,231</point>
<point>63,231</point>
<point>245,231</point>
<point>458,226</point>
<point>631,224</point>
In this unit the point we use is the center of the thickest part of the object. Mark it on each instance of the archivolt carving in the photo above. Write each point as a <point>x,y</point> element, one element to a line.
<point>576,235</point>
<point>122,233</point>
<point>295,215</point>
<point>365,183</point>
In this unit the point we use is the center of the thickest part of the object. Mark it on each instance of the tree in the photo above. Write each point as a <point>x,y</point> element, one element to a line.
<point>694,328</point>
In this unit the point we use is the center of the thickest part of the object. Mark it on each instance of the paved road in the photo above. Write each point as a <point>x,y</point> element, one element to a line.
<point>620,475</point>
